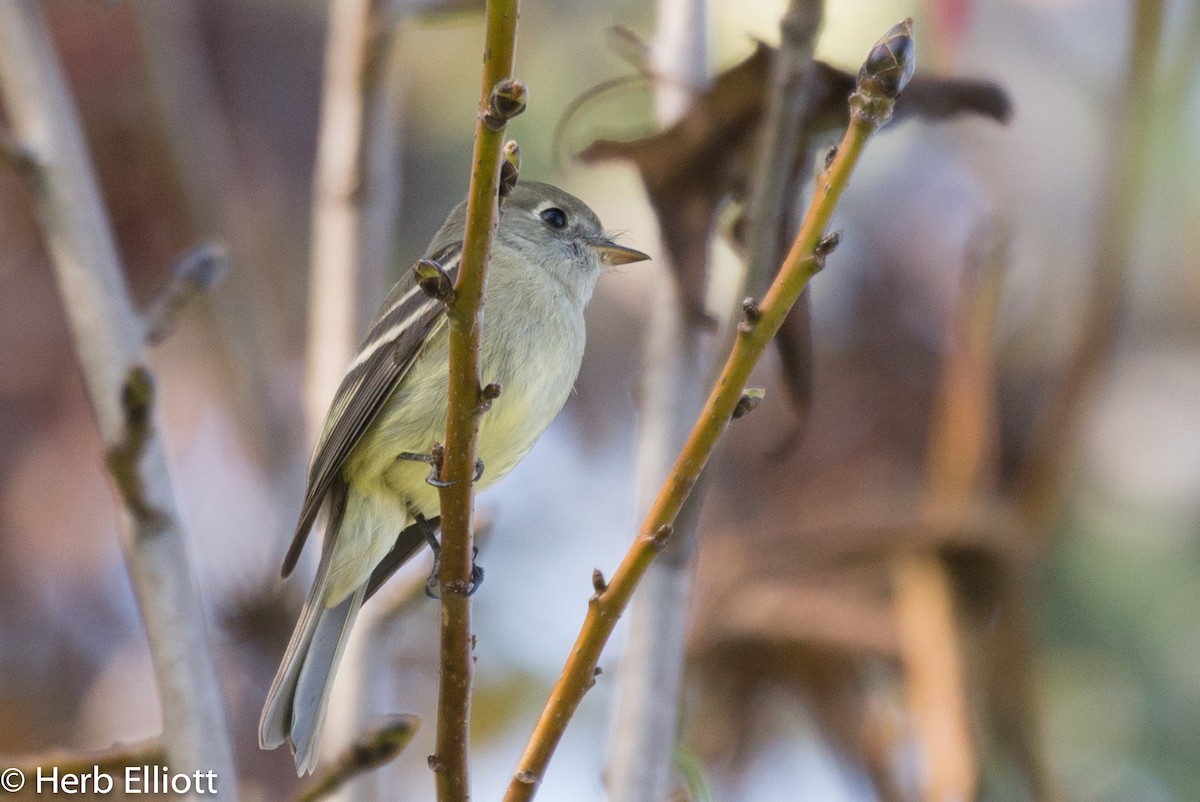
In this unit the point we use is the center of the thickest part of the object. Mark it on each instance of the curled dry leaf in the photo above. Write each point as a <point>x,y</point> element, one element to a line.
<point>707,157</point>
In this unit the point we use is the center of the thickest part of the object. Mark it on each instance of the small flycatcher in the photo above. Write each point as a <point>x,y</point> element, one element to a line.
<point>549,251</point>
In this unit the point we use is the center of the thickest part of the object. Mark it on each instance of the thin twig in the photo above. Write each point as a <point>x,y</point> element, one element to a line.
<point>197,273</point>
<point>450,761</point>
<point>884,74</point>
<point>108,336</point>
<point>245,318</point>
<point>374,749</point>
<point>108,761</point>
<point>767,223</point>
<point>355,193</point>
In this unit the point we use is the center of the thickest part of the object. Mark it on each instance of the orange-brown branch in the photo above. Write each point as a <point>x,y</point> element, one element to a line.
<point>450,761</point>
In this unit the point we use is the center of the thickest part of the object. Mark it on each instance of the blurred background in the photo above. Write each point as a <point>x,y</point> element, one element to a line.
<point>1008,332</point>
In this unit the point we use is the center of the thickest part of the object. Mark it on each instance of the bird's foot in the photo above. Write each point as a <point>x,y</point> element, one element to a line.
<point>434,460</point>
<point>433,585</point>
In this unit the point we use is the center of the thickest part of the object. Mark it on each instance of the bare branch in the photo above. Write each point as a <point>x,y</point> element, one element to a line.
<point>199,272</point>
<point>374,749</point>
<point>672,389</point>
<point>500,98</point>
<point>108,761</point>
<point>648,706</point>
<point>768,216</point>
<point>961,436</point>
<point>245,321</point>
<point>108,336</point>
<point>355,192</point>
<point>604,609</point>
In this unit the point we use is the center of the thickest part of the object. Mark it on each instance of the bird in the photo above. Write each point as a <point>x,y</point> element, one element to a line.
<point>368,477</point>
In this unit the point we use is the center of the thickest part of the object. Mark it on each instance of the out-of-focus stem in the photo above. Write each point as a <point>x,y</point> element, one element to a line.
<point>373,749</point>
<point>245,320</point>
<point>934,676</point>
<point>962,434</point>
<point>1057,430</point>
<point>647,711</point>
<point>766,224</point>
<point>109,338</point>
<point>355,193</point>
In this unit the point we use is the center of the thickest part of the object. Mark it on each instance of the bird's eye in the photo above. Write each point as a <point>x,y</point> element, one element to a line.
<point>554,217</point>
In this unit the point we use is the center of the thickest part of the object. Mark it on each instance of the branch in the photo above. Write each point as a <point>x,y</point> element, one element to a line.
<point>781,166</point>
<point>108,336</point>
<point>1056,430</point>
<point>108,761</point>
<point>500,99</point>
<point>782,131</point>
<point>961,438</point>
<point>244,319</point>
<point>197,273</point>
<point>884,74</point>
<point>646,719</point>
<point>355,193</point>
<point>374,749</point>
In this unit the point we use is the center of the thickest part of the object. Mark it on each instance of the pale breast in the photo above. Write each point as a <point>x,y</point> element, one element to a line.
<point>536,381</point>
<point>532,350</point>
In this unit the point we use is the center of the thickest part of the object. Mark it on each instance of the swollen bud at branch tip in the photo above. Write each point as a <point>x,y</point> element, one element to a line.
<point>886,72</point>
<point>891,62</point>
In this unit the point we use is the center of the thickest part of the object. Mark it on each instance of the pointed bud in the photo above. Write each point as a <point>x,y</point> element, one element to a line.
<point>886,72</point>
<point>891,62</point>
<point>751,314</point>
<point>510,168</point>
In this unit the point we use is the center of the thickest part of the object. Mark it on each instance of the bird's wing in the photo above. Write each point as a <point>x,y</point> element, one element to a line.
<point>403,324</point>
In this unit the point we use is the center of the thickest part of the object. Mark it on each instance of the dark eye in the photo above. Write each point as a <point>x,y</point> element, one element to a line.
<point>554,217</point>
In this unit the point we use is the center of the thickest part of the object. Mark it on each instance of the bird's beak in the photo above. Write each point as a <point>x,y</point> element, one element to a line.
<point>613,254</point>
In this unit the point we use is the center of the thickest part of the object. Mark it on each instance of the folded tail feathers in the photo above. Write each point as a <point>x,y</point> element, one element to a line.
<point>299,697</point>
<point>296,705</point>
<point>314,682</point>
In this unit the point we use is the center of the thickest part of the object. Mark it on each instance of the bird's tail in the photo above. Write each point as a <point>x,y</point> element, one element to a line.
<point>299,696</point>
